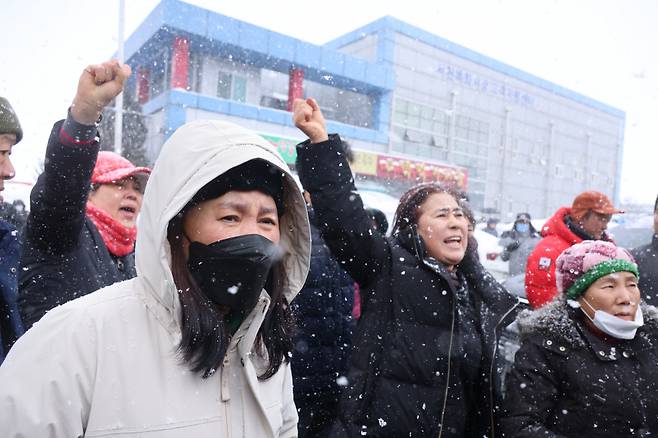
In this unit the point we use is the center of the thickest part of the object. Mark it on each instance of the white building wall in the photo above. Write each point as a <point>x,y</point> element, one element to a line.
<point>521,174</point>
<point>364,48</point>
<point>155,126</point>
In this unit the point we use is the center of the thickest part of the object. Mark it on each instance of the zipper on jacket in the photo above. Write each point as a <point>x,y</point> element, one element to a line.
<point>452,334</point>
<point>227,417</point>
<point>225,394</point>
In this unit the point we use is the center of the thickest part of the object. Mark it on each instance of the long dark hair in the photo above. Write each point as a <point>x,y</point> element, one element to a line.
<point>205,336</point>
<point>408,210</point>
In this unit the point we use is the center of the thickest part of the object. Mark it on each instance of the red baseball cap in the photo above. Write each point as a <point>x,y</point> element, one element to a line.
<point>594,201</point>
<point>111,167</point>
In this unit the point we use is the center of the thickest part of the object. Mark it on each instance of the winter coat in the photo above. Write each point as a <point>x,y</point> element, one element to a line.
<point>646,258</point>
<point>540,283</point>
<point>408,370</point>
<point>107,364</point>
<point>516,249</point>
<point>323,339</point>
<point>64,256</point>
<point>567,382</point>
<point>11,326</point>
<point>11,214</point>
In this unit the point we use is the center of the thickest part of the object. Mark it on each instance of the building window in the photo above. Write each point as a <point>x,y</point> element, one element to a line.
<point>352,107</point>
<point>415,115</point>
<point>231,86</point>
<point>160,74</point>
<point>239,89</point>
<point>471,129</point>
<point>274,89</point>
<point>196,72</point>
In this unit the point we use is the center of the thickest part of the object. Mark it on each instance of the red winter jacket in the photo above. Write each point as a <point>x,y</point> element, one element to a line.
<point>540,286</point>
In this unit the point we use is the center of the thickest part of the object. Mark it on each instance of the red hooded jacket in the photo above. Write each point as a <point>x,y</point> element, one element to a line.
<point>540,286</point>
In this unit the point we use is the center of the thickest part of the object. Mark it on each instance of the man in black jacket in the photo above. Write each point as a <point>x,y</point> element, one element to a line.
<point>80,232</point>
<point>646,257</point>
<point>323,339</point>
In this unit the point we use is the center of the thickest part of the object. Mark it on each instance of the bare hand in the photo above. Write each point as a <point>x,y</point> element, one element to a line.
<point>306,116</point>
<point>98,85</point>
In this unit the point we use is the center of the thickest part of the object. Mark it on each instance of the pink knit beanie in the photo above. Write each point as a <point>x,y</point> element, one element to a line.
<point>582,264</point>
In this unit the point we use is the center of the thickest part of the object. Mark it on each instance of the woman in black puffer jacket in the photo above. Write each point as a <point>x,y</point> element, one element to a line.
<point>587,369</point>
<point>424,361</point>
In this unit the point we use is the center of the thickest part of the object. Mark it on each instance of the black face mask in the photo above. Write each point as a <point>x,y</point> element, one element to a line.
<point>233,272</point>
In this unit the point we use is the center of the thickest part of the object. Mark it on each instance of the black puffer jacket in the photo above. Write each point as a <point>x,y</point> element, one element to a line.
<point>567,382</point>
<point>323,339</point>
<point>646,258</point>
<point>408,374</point>
<point>64,256</point>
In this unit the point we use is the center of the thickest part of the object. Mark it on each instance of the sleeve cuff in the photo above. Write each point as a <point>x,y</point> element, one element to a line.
<point>328,156</point>
<point>77,134</point>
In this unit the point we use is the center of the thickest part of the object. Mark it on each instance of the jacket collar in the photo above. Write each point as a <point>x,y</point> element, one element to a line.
<point>410,240</point>
<point>480,282</point>
<point>577,230</point>
<point>244,338</point>
<point>556,226</point>
<point>558,322</point>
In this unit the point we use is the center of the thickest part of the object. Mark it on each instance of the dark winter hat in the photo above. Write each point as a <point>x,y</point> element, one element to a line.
<point>9,123</point>
<point>253,175</point>
<point>582,264</point>
<point>523,217</point>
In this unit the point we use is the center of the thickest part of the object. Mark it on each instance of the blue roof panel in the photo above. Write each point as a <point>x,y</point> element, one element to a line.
<point>222,28</point>
<point>254,44</point>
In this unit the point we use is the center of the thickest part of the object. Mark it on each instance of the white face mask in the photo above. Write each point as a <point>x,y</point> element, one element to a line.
<point>610,324</point>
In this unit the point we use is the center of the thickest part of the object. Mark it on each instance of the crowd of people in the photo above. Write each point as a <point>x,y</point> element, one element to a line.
<point>244,306</point>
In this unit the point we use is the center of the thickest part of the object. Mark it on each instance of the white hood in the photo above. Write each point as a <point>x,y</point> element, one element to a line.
<point>194,155</point>
<point>107,364</point>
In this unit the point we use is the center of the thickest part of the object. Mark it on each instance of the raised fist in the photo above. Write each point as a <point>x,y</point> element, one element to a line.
<point>306,116</point>
<point>98,85</point>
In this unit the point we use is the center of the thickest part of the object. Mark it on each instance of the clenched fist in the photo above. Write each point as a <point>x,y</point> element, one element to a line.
<point>306,116</point>
<point>98,85</point>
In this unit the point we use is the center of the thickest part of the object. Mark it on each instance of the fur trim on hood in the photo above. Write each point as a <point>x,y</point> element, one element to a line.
<point>554,321</point>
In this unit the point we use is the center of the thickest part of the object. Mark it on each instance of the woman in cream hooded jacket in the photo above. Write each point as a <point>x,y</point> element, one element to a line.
<point>106,365</point>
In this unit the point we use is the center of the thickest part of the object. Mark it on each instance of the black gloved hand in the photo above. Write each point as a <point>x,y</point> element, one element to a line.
<point>512,246</point>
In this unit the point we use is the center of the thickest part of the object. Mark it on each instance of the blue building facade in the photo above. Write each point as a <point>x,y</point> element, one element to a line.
<point>413,105</point>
